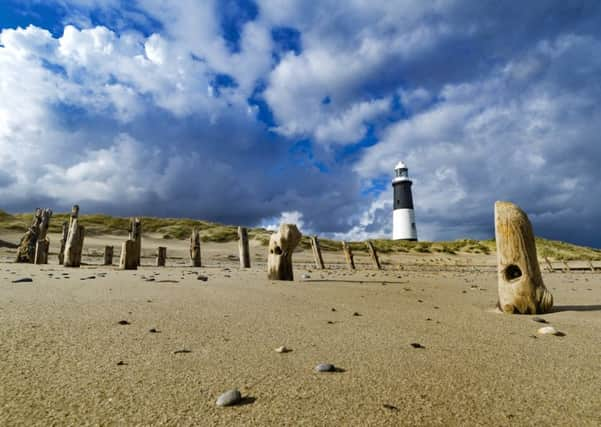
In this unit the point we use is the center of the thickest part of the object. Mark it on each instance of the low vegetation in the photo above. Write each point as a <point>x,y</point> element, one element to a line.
<point>180,228</point>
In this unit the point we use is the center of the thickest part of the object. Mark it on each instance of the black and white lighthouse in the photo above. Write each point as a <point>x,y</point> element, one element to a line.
<point>403,217</point>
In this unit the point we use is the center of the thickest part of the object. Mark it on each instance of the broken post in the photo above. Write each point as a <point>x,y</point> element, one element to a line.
<point>566,267</point>
<point>243,247</point>
<point>521,287</point>
<point>373,254</point>
<point>549,265</point>
<point>108,255</point>
<point>74,243</point>
<point>317,253</point>
<point>161,256</point>
<point>135,234</point>
<point>61,251</point>
<point>28,244</point>
<point>281,246</point>
<point>128,259</point>
<point>42,243</point>
<point>348,255</point>
<point>195,248</point>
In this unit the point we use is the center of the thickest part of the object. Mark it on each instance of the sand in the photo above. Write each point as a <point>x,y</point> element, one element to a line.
<point>61,343</point>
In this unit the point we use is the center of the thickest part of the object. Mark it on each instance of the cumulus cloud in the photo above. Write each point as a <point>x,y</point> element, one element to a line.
<point>162,108</point>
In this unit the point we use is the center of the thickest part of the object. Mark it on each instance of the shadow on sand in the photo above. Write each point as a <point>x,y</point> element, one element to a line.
<point>560,308</point>
<point>10,245</point>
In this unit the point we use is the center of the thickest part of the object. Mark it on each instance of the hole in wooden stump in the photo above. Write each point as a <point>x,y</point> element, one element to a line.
<point>278,250</point>
<point>512,272</point>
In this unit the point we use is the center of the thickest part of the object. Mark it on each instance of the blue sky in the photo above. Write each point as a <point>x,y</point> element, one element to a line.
<point>251,112</point>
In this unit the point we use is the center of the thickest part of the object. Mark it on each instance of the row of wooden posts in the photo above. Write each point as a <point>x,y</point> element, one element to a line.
<point>34,247</point>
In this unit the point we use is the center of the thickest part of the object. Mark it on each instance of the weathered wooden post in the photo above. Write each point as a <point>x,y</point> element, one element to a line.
<point>243,247</point>
<point>161,256</point>
<point>61,251</point>
<point>135,234</point>
<point>521,287</point>
<point>348,255</point>
<point>281,246</point>
<point>108,255</point>
<point>373,254</point>
<point>549,265</point>
<point>128,259</point>
<point>42,243</point>
<point>566,267</point>
<point>74,243</point>
<point>195,248</point>
<point>317,253</point>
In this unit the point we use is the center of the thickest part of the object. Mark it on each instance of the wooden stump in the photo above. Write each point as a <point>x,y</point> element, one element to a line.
<point>135,234</point>
<point>373,254</point>
<point>108,255</point>
<point>161,256</point>
<point>281,246</point>
<point>521,287</point>
<point>348,256</point>
<point>128,259</point>
<point>61,252</point>
<point>74,244</point>
<point>28,245</point>
<point>41,251</point>
<point>195,248</point>
<point>243,247</point>
<point>317,253</point>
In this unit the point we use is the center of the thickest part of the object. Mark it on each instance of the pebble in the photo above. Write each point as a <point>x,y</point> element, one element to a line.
<point>123,322</point>
<point>417,345</point>
<point>23,280</point>
<point>202,277</point>
<point>306,276</point>
<point>325,367</point>
<point>539,320</point>
<point>549,330</point>
<point>229,398</point>
<point>356,314</point>
<point>282,349</point>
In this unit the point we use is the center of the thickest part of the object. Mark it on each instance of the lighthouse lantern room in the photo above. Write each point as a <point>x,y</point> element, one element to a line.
<point>403,217</point>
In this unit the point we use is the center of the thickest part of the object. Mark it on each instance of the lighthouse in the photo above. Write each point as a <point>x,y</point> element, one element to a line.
<point>403,217</point>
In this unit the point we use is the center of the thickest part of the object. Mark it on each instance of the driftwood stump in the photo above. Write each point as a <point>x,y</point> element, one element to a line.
<point>128,259</point>
<point>281,246</point>
<point>108,255</point>
<point>28,245</point>
<point>61,251</point>
<point>317,253</point>
<point>521,287</point>
<point>195,248</point>
<point>348,256</point>
<point>43,244</point>
<point>161,256</point>
<point>373,254</point>
<point>243,247</point>
<point>74,245</point>
<point>135,234</point>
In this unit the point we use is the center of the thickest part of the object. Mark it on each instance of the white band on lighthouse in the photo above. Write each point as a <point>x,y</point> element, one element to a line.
<point>403,225</point>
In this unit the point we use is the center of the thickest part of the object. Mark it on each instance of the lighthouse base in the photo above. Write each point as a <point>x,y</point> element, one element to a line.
<point>403,225</point>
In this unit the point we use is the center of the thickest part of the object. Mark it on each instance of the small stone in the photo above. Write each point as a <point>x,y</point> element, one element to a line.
<point>333,309</point>
<point>154,331</point>
<point>539,320</point>
<point>229,398</point>
<point>325,367</point>
<point>123,322</point>
<point>183,350</point>
<point>202,277</point>
<point>550,330</point>
<point>282,349</point>
<point>23,280</point>
<point>356,314</point>
<point>417,345</point>
<point>389,406</point>
<point>121,363</point>
<point>305,276</point>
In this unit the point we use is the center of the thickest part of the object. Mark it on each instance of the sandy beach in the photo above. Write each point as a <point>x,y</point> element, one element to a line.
<point>66,359</point>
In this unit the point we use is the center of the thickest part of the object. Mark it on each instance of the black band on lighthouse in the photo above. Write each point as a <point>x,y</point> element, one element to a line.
<point>402,195</point>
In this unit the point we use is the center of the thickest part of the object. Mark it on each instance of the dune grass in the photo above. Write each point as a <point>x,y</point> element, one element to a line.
<point>180,228</point>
